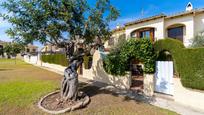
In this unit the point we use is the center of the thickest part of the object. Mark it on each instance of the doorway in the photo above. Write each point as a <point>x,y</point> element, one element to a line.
<point>137,76</point>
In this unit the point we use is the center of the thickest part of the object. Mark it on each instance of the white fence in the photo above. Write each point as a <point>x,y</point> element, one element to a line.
<point>164,77</point>
<point>31,59</point>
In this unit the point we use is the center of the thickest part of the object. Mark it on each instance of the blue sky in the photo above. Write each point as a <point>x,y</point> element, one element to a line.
<point>130,10</point>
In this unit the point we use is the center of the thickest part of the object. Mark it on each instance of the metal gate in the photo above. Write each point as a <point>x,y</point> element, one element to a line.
<point>164,77</point>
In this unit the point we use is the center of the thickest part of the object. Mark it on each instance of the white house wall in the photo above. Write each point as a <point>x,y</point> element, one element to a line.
<point>158,24</point>
<point>116,36</point>
<point>199,23</point>
<point>188,21</point>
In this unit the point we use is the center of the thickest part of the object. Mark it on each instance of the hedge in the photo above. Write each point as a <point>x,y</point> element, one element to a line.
<point>188,62</point>
<point>117,62</point>
<point>59,59</point>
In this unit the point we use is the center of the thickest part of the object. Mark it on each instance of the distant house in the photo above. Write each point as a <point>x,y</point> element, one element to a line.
<point>182,26</point>
<point>31,49</point>
<point>49,48</point>
<point>2,43</point>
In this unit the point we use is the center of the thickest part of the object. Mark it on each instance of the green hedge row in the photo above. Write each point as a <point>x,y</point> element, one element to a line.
<point>59,59</point>
<point>188,62</point>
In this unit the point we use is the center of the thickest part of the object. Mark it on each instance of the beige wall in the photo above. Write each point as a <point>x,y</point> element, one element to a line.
<point>148,84</point>
<point>116,36</point>
<point>199,23</point>
<point>97,73</point>
<point>158,24</point>
<point>188,21</point>
<point>194,24</point>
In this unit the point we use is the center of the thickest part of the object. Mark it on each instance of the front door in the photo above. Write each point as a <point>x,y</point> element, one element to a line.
<point>164,77</point>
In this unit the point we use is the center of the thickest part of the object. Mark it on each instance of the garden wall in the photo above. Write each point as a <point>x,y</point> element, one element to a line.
<point>97,73</point>
<point>31,59</point>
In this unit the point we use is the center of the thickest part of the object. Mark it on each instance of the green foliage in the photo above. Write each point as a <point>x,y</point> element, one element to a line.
<point>59,59</point>
<point>8,49</point>
<point>13,49</point>
<point>48,20</point>
<point>173,46</point>
<point>22,92</point>
<point>119,58</point>
<point>198,40</point>
<point>188,62</point>
<point>87,61</point>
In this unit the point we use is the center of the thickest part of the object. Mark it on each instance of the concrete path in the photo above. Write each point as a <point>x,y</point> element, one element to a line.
<point>156,101</point>
<point>177,107</point>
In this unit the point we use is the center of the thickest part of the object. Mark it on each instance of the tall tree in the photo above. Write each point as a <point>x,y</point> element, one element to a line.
<point>50,20</point>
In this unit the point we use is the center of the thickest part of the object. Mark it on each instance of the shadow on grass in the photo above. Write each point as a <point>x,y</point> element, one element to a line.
<point>6,69</point>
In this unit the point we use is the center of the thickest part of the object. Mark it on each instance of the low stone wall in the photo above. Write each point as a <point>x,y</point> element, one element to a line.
<point>97,73</point>
<point>31,59</point>
<point>148,84</point>
<point>54,66</point>
<point>189,97</point>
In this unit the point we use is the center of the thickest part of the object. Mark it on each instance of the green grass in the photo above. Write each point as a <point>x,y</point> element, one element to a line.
<point>23,93</point>
<point>22,85</point>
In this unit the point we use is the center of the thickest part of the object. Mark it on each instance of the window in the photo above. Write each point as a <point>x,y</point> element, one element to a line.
<point>34,50</point>
<point>28,50</point>
<point>144,33</point>
<point>111,41</point>
<point>176,33</point>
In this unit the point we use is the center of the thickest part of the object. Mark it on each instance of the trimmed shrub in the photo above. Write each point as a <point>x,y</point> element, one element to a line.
<point>117,62</point>
<point>188,62</point>
<point>173,46</point>
<point>59,59</point>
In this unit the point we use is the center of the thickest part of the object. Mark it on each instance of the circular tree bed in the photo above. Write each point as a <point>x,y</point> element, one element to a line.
<point>52,103</point>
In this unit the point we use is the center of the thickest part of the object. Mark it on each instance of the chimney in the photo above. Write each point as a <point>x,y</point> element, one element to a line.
<point>189,7</point>
<point>118,26</point>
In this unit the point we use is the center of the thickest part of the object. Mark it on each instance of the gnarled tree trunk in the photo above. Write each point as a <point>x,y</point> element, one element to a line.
<point>69,85</point>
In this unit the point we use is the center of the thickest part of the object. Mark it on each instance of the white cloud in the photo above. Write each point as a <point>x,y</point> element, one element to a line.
<point>4,25</point>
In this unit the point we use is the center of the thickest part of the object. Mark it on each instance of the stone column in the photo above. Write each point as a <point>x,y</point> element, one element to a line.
<point>148,84</point>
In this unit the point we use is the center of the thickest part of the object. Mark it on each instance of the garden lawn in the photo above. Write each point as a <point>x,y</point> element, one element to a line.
<point>22,85</point>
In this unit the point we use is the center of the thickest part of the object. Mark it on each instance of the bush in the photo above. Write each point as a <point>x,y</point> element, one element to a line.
<point>117,62</point>
<point>188,62</point>
<point>87,62</point>
<point>59,59</point>
<point>198,40</point>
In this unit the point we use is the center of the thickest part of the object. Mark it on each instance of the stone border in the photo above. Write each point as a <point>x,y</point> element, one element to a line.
<point>77,106</point>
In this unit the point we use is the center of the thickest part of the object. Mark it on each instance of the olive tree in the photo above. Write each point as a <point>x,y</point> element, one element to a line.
<point>198,40</point>
<point>72,24</point>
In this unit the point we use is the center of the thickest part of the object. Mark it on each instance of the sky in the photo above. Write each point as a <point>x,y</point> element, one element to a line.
<point>130,10</point>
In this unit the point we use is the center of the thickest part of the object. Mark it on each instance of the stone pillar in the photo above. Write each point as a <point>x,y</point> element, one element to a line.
<point>148,84</point>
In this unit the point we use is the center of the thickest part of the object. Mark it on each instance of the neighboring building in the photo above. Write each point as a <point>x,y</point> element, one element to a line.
<point>2,45</point>
<point>49,48</point>
<point>1,48</point>
<point>182,26</point>
<point>31,49</point>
